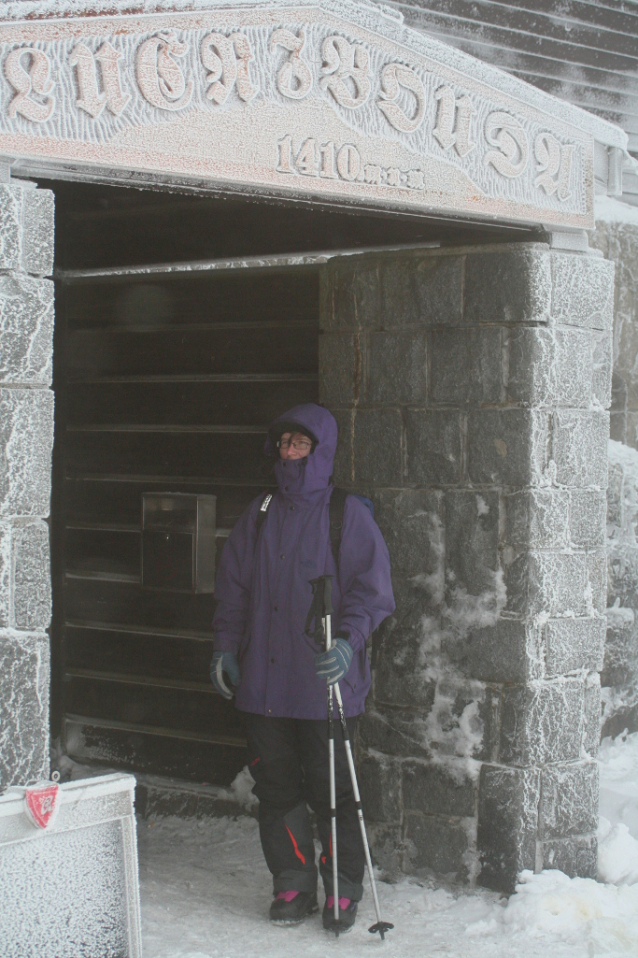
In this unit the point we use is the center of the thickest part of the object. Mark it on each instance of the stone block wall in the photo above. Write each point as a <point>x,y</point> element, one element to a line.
<point>26,439</point>
<point>617,238</point>
<point>471,388</point>
<point>618,242</point>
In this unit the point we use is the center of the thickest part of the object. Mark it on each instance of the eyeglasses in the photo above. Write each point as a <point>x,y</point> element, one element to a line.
<point>299,445</point>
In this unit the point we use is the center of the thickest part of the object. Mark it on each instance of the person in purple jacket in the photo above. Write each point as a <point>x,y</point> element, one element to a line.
<point>279,677</point>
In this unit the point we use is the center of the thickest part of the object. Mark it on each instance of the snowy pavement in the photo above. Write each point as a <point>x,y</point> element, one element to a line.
<point>206,893</point>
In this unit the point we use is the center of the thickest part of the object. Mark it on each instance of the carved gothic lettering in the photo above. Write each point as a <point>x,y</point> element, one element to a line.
<point>28,71</point>
<point>554,165</point>
<point>244,54</point>
<point>393,77</point>
<point>159,76</point>
<point>505,132</point>
<point>86,64</point>
<point>227,60</point>
<point>453,121</point>
<point>345,71</point>
<point>109,59</point>
<point>294,79</point>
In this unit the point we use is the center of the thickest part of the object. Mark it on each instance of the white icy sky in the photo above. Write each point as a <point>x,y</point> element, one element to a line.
<point>206,893</point>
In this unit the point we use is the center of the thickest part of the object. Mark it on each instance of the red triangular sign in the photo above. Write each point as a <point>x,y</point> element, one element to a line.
<point>42,803</point>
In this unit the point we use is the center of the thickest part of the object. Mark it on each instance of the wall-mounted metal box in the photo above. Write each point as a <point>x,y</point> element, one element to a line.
<point>178,542</point>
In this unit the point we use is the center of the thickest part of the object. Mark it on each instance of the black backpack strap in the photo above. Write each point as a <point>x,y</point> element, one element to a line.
<point>336,510</point>
<point>263,510</point>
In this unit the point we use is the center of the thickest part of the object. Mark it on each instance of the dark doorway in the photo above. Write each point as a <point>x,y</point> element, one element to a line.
<point>165,379</point>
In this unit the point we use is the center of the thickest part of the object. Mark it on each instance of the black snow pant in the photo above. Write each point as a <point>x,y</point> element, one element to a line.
<point>288,758</point>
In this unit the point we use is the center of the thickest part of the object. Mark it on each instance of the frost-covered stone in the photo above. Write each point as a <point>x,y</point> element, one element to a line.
<point>507,446</point>
<point>431,788</point>
<point>573,643</point>
<point>510,286</point>
<point>471,539</point>
<point>587,519</point>
<point>10,226</point>
<point>577,857</point>
<point>26,228</point>
<point>401,677</point>
<point>487,365</point>
<point>507,823</point>
<point>422,289</point>
<point>26,329</point>
<point>395,732</point>
<point>449,366</point>
<point>380,784</point>
<point>32,576</point>
<point>509,651</point>
<point>339,367</point>
<point>569,800</point>
<point>542,722</point>
<point>620,671</point>
<point>24,707</point>
<point>592,715</point>
<point>579,447</point>
<point>582,290</point>
<point>557,583</point>
<point>602,365</point>
<point>26,440</point>
<point>389,353</point>
<point>434,446</point>
<point>377,446</point>
<point>432,842</point>
<point>550,366</point>
<point>387,842</point>
<point>349,293</point>
<point>37,231</point>
<point>619,243</point>
<point>6,565</point>
<point>537,519</point>
<point>500,589</point>
<point>411,525</point>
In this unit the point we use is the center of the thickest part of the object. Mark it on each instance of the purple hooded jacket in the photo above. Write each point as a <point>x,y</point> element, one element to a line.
<point>263,589</point>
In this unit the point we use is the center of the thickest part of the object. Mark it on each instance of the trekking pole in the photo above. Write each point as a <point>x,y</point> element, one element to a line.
<point>322,600</point>
<point>380,926</point>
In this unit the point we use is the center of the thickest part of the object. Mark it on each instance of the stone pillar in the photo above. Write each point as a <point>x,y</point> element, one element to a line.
<point>471,389</point>
<point>617,238</point>
<point>26,439</point>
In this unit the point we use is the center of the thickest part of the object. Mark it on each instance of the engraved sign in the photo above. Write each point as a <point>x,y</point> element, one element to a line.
<point>327,100</point>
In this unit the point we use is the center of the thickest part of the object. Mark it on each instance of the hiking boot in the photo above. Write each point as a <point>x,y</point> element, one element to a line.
<point>291,907</point>
<point>347,915</point>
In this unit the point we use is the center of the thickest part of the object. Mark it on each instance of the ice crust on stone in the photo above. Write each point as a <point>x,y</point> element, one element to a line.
<point>620,672</point>
<point>453,738</point>
<point>24,707</point>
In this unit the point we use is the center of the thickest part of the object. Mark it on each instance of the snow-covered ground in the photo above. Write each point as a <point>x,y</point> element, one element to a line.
<point>206,892</point>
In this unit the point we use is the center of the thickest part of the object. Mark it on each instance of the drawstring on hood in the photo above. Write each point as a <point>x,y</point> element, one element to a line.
<point>300,477</point>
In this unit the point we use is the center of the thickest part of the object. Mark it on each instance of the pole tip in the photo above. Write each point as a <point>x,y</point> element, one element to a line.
<point>381,927</point>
